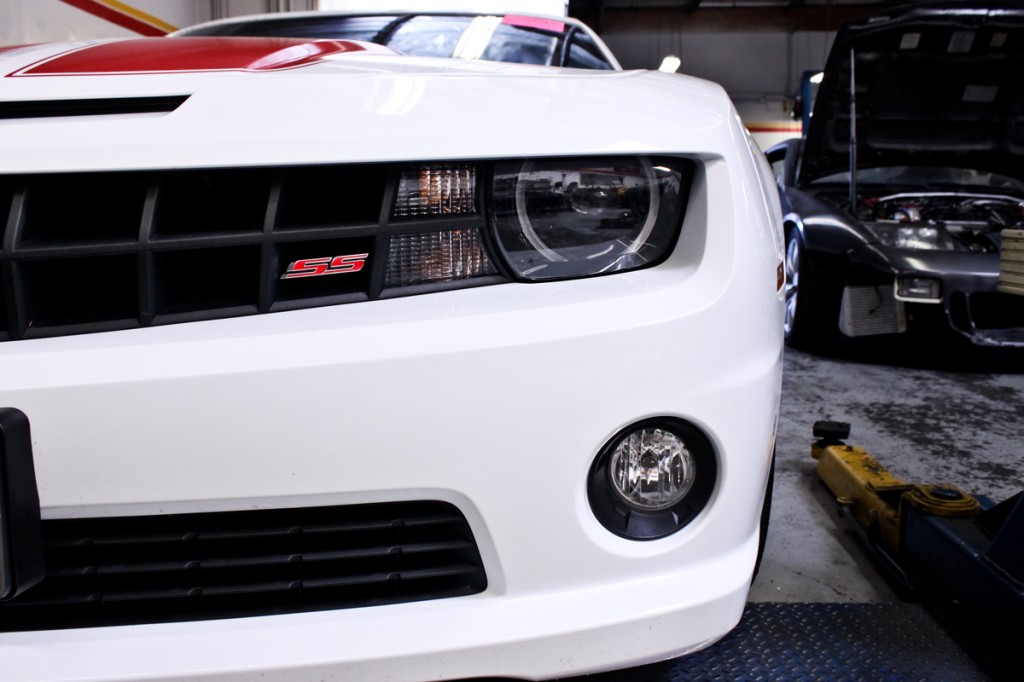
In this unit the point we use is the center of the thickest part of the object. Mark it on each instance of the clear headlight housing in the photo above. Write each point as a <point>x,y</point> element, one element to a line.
<point>565,218</point>
<point>920,237</point>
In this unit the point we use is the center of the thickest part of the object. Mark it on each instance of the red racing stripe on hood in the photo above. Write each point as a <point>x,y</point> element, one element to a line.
<point>176,55</point>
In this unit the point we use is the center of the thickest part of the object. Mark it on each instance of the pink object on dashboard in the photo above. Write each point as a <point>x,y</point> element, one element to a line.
<point>534,22</point>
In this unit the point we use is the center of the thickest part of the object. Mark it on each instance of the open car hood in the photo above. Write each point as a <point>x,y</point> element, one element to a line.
<point>938,84</point>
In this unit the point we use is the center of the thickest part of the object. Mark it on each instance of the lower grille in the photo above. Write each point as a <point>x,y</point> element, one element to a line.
<point>986,310</point>
<point>151,569</point>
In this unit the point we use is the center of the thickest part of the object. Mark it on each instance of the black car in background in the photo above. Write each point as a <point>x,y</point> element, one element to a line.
<point>909,170</point>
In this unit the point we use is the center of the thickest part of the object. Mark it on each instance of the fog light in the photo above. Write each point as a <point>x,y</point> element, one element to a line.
<point>652,478</point>
<point>918,288</point>
<point>651,469</point>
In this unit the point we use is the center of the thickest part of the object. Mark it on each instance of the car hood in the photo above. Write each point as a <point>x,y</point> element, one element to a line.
<point>207,102</point>
<point>937,84</point>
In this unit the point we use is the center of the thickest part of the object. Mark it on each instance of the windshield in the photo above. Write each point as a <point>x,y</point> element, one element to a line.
<point>335,28</point>
<point>925,176</point>
<point>522,40</point>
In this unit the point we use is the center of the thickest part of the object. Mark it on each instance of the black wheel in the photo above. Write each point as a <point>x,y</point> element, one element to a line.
<point>766,512</point>
<point>812,308</point>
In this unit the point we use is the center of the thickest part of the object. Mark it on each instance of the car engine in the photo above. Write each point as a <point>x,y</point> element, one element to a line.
<point>974,221</point>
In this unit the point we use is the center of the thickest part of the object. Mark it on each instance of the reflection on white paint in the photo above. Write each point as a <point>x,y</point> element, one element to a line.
<point>395,97</point>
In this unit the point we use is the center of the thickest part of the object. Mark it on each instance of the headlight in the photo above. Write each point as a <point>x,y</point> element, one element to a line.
<point>561,218</point>
<point>923,237</point>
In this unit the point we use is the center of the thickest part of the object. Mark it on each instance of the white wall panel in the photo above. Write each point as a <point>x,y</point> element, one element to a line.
<point>760,70</point>
<point>36,21</point>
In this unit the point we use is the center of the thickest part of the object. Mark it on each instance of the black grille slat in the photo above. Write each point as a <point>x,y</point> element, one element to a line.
<point>229,564</point>
<point>193,244</point>
<point>265,560</point>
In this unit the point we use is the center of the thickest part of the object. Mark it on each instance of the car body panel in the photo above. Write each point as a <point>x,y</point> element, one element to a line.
<point>496,399</point>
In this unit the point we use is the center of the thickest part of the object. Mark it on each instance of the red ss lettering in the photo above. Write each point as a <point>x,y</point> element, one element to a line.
<point>315,267</point>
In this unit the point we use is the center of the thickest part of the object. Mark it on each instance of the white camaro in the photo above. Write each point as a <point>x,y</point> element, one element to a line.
<point>318,361</point>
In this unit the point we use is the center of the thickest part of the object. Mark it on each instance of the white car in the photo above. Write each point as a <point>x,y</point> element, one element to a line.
<point>319,361</point>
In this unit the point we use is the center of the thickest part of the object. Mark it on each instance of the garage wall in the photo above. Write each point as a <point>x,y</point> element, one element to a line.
<point>36,21</point>
<point>760,69</point>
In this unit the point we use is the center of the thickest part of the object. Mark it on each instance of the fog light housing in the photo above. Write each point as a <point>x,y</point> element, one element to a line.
<point>918,289</point>
<point>652,478</point>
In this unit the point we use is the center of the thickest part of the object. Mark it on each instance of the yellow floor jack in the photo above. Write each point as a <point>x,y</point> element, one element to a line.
<point>954,551</point>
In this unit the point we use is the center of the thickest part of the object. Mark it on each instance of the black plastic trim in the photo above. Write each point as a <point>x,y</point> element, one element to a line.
<point>21,535</point>
<point>201,566</point>
<point>91,107</point>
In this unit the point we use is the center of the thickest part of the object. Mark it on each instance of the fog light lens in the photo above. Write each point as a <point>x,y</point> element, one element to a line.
<point>652,478</point>
<point>918,287</point>
<point>651,469</point>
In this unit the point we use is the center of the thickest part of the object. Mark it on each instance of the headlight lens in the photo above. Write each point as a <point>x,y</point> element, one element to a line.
<point>561,218</point>
<point>922,237</point>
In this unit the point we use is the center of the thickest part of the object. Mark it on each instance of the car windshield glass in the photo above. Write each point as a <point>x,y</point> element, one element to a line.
<point>333,27</point>
<point>584,53</point>
<point>468,37</point>
<point>426,35</point>
<point>925,176</point>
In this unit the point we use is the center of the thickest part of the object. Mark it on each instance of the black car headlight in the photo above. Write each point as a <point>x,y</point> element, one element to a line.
<point>565,218</point>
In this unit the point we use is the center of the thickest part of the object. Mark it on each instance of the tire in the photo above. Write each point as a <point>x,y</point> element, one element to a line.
<point>812,304</point>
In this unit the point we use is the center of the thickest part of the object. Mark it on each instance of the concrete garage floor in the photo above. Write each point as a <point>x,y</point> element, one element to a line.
<point>820,609</point>
<point>962,427</point>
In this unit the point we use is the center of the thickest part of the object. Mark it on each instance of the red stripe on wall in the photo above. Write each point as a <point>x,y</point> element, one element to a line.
<point>113,16</point>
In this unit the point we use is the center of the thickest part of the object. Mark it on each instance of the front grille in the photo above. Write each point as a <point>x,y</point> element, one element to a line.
<point>86,252</point>
<point>112,571</point>
<point>987,311</point>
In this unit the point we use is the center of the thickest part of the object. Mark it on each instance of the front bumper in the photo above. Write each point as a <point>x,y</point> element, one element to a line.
<point>533,636</point>
<point>968,303</point>
<point>384,402</point>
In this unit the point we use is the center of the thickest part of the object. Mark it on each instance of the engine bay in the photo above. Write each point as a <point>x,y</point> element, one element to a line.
<point>971,221</point>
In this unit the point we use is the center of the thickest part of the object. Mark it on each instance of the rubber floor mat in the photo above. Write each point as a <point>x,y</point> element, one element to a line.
<point>820,642</point>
